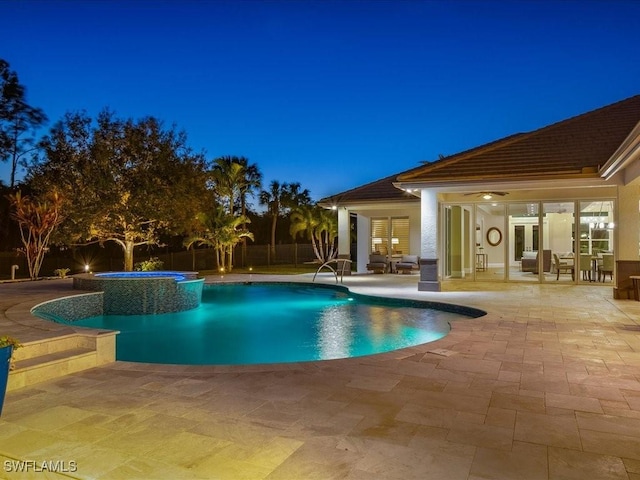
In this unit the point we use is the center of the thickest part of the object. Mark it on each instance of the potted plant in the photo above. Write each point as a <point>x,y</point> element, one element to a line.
<point>7,346</point>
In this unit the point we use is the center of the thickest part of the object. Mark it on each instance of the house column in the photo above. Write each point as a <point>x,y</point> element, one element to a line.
<point>626,237</point>
<point>344,236</point>
<point>364,242</point>
<point>429,242</point>
<point>627,226</point>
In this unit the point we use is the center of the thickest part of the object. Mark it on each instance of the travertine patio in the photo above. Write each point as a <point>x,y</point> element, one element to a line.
<point>545,386</point>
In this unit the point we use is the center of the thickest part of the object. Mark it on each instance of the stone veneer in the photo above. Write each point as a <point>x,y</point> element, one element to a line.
<point>71,308</point>
<point>140,295</point>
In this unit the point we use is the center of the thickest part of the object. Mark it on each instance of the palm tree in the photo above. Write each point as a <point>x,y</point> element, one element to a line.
<point>249,185</point>
<point>234,179</point>
<point>320,226</point>
<point>279,199</point>
<point>227,175</point>
<point>222,232</point>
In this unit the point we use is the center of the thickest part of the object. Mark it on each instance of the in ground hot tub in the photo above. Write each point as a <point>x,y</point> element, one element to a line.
<point>141,293</point>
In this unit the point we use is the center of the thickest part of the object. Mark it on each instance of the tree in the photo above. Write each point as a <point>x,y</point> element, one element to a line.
<point>124,181</point>
<point>17,119</point>
<point>37,220</point>
<point>227,174</point>
<point>320,226</point>
<point>233,180</point>
<point>221,231</point>
<point>279,199</point>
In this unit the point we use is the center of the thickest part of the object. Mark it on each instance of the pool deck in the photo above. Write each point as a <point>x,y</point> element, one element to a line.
<point>545,386</point>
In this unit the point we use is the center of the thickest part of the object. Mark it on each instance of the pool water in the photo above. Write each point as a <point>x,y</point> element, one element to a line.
<point>177,276</point>
<point>273,323</point>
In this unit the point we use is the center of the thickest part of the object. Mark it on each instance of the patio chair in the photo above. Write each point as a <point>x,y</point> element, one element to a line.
<point>563,267</point>
<point>377,263</point>
<point>408,264</point>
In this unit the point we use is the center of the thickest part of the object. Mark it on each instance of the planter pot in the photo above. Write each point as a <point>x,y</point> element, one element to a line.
<point>5,361</point>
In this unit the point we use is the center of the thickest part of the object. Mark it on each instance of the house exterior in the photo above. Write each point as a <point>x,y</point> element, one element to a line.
<point>555,205</point>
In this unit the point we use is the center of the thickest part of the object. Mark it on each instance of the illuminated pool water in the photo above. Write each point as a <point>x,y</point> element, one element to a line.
<point>177,276</point>
<point>275,323</point>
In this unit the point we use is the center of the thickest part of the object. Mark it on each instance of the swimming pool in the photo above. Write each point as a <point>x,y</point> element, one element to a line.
<point>276,323</point>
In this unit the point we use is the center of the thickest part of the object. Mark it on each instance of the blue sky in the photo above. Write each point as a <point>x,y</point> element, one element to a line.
<point>332,94</point>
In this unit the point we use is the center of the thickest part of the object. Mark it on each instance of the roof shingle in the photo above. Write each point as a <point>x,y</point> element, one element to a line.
<point>576,147</point>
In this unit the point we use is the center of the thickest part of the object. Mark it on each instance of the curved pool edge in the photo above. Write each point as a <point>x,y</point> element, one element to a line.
<point>401,353</point>
<point>465,310</point>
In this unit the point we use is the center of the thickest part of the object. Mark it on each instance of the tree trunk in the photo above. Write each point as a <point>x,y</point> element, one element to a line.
<point>273,237</point>
<point>14,159</point>
<point>128,255</point>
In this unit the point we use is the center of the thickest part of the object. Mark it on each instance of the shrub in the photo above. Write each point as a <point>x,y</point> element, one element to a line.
<point>152,265</point>
<point>61,272</point>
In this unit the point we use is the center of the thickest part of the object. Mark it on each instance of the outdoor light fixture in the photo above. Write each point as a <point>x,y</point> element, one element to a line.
<point>334,207</point>
<point>487,195</point>
<point>86,268</point>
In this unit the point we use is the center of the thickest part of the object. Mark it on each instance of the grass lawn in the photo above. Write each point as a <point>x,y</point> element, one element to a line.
<point>272,269</point>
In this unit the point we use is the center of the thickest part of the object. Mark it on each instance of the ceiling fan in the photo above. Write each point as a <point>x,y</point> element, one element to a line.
<point>488,195</point>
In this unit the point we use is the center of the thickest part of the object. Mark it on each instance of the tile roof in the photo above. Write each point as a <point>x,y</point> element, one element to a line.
<point>578,146</point>
<point>380,190</point>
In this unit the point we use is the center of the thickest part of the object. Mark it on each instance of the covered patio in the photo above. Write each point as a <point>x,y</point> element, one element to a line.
<point>569,189</point>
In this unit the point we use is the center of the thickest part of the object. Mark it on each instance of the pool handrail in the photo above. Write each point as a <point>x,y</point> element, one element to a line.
<point>341,264</point>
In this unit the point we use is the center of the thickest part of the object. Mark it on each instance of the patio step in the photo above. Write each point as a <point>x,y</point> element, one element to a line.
<point>56,357</point>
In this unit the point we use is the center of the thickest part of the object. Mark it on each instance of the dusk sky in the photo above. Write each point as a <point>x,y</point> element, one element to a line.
<point>331,94</point>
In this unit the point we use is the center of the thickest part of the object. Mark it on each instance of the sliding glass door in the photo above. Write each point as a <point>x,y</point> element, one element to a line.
<point>529,241</point>
<point>525,263</point>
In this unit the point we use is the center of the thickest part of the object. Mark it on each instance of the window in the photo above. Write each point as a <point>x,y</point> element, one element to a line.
<point>390,235</point>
